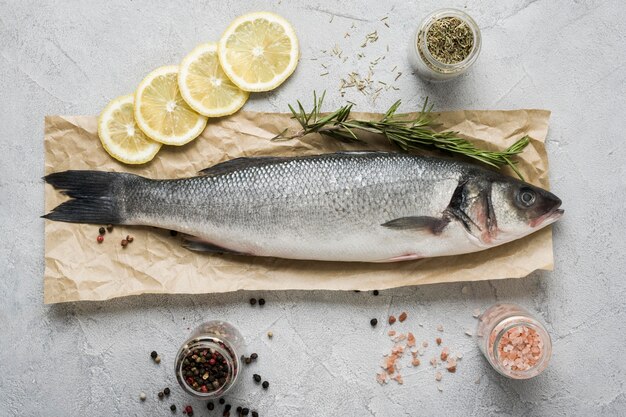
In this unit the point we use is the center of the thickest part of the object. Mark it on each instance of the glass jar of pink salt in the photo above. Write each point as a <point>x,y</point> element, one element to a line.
<point>515,343</point>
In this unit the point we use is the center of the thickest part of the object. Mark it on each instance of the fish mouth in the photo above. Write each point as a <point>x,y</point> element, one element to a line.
<point>550,217</point>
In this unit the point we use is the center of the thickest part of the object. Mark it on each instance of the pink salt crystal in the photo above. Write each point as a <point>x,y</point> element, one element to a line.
<point>399,338</point>
<point>433,362</point>
<point>415,362</point>
<point>451,366</point>
<point>476,313</point>
<point>440,328</point>
<point>425,344</point>
<point>410,340</point>
<point>391,333</point>
<point>381,378</point>
<point>444,354</point>
<point>399,379</point>
<point>438,376</point>
<point>397,349</point>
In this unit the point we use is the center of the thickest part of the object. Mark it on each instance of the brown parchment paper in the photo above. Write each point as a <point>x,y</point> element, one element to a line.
<point>78,268</point>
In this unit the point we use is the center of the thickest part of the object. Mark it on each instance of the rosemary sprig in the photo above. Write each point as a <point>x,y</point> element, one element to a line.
<point>408,133</point>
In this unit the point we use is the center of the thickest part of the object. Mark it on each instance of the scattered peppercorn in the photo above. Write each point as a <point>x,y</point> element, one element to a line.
<point>124,243</point>
<point>254,356</point>
<point>252,301</point>
<point>100,239</point>
<point>392,319</point>
<point>265,384</point>
<point>375,292</point>
<point>166,391</point>
<point>101,230</point>
<point>157,359</point>
<point>270,335</point>
<point>239,410</point>
<point>189,410</point>
<point>173,233</point>
<point>245,411</point>
<point>438,340</point>
<point>129,238</point>
<point>210,405</point>
<point>247,361</point>
<point>256,377</point>
<point>374,322</point>
<point>154,354</point>
<point>255,414</point>
<point>222,401</point>
<point>142,396</point>
<point>173,407</point>
<point>261,301</point>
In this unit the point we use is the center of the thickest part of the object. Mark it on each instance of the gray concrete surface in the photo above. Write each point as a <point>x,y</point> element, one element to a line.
<point>79,359</point>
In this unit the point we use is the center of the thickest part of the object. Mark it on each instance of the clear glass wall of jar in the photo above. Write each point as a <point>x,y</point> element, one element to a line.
<point>515,343</point>
<point>208,364</point>
<point>423,62</point>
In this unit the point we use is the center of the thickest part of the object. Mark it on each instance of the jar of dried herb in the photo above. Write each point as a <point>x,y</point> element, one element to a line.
<point>446,44</point>
<point>207,364</point>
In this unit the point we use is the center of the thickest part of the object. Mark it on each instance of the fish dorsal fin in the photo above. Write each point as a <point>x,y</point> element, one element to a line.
<point>241,163</point>
<point>360,153</point>
<point>259,161</point>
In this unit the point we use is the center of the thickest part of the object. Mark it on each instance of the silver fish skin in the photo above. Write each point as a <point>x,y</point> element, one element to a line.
<point>351,206</point>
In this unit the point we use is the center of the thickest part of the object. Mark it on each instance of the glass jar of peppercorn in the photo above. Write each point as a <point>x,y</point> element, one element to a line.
<point>207,364</point>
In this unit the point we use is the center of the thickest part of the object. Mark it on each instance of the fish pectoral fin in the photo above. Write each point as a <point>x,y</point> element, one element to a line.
<point>196,244</point>
<point>432,224</point>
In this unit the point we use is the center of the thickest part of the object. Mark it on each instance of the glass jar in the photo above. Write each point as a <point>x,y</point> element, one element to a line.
<point>423,62</point>
<point>207,365</point>
<point>515,344</point>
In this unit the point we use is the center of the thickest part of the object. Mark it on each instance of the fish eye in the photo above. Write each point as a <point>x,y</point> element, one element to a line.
<point>527,197</point>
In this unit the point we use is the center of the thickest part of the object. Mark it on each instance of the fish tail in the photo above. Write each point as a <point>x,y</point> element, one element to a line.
<point>94,196</point>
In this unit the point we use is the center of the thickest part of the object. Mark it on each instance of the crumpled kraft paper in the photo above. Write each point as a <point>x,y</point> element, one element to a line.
<point>78,268</point>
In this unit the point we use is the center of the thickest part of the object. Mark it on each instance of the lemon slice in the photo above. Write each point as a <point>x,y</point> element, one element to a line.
<point>161,112</point>
<point>259,51</point>
<point>204,85</point>
<point>120,135</point>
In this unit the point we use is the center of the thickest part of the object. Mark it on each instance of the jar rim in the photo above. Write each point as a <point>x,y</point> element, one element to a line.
<point>430,20</point>
<point>516,321</point>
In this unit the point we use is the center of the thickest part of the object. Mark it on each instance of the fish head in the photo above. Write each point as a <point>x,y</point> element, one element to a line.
<point>520,208</point>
